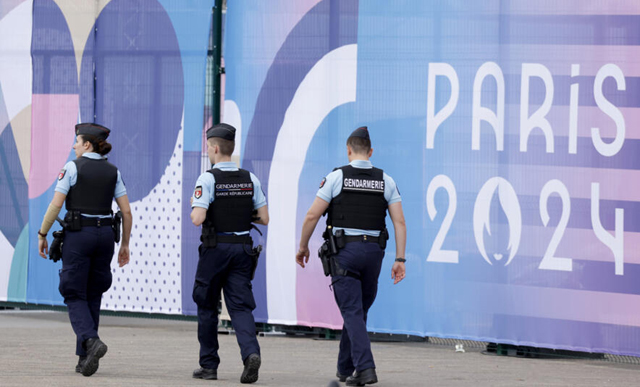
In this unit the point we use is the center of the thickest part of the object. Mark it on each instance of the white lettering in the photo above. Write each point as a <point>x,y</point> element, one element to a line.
<point>537,119</point>
<point>480,113</point>
<point>609,70</point>
<point>573,111</point>
<point>435,119</point>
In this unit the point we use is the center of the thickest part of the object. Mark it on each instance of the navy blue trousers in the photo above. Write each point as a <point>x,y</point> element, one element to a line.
<point>227,267</point>
<point>354,297</point>
<point>85,276</point>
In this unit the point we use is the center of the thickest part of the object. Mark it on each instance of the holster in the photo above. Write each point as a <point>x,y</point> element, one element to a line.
<point>55,250</point>
<point>72,221</point>
<point>255,254</point>
<point>384,237</point>
<point>209,237</point>
<point>116,225</point>
<point>329,248</point>
<point>325,258</point>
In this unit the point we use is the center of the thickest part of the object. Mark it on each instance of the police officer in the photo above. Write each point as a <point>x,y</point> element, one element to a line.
<point>225,202</point>
<point>357,197</point>
<point>87,186</point>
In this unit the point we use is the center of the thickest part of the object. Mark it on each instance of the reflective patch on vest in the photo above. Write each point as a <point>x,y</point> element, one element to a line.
<point>324,180</point>
<point>234,189</point>
<point>62,173</point>
<point>362,185</point>
<point>198,192</point>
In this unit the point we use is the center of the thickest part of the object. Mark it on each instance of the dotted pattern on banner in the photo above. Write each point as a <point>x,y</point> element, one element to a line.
<point>151,281</point>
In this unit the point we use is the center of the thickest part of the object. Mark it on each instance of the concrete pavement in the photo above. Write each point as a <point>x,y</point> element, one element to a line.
<point>37,349</point>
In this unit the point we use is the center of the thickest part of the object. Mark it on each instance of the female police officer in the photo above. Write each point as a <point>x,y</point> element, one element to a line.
<point>87,186</point>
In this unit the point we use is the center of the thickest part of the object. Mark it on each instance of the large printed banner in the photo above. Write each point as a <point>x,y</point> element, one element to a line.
<point>511,129</point>
<point>137,67</point>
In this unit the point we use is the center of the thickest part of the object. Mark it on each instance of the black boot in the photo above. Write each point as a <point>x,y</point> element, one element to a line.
<point>81,360</point>
<point>95,350</point>
<point>205,373</point>
<point>251,367</point>
<point>361,378</point>
<point>342,377</point>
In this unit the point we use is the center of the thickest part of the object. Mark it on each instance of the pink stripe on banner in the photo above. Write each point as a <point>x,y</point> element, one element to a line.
<point>53,118</point>
<point>574,7</point>
<point>553,303</point>
<point>314,300</point>
<point>588,117</point>
<point>615,184</point>
<point>559,58</point>
<point>577,244</point>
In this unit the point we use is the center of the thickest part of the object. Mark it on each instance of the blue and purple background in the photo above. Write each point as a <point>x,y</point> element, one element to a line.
<point>275,54</point>
<point>300,76</point>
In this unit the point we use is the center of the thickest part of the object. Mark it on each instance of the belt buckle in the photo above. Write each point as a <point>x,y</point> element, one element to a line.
<point>97,222</point>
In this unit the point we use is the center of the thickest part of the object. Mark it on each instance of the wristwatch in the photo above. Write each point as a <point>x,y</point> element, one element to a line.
<point>41,234</point>
<point>401,260</point>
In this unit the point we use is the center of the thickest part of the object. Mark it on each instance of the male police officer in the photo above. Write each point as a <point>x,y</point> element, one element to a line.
<point>224,202</point>
<point>357,197</point>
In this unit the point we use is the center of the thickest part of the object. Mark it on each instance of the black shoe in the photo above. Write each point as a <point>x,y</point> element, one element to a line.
<point>361,378</point>
<point>205,373</point>
<point>95,350</point>
<point>81,360</point>
<point>342,377</point>
<point>251,367</point>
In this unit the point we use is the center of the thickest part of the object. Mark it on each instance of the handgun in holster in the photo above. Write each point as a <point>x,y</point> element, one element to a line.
<point>329,249</point>
<point>255,254</point>
<point>55,250</point>
<point>116,226</point>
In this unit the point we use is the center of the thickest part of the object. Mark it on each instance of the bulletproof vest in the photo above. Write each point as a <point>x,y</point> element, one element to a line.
<point>361,203</point>
<point>232,206</point>
<point>94,189</point>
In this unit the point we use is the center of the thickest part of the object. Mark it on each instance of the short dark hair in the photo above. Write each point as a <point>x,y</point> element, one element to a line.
<point>359,145</point>
<point>226,146</point>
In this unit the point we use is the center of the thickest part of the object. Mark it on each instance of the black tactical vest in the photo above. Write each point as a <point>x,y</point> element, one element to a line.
<point>93,192</point>
<point>232,206</point>
<point>361,203</point>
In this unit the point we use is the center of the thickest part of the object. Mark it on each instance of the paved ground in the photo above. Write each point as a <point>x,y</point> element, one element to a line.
<point>37,349</point>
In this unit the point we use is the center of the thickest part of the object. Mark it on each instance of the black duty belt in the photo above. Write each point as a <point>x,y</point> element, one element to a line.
<point>95,222</point>
<point>360,238</point>
<point>239,239</point>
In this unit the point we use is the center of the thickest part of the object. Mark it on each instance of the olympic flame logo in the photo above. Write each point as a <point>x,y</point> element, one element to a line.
<point>510,205</point>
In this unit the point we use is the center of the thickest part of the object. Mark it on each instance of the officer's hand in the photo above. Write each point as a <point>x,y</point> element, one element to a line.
<point>123,255</point>
<point>301,255</point>
<point>397,272</point>
<point>43,247</point>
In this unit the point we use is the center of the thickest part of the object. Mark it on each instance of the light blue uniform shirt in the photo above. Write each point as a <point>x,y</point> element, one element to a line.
<point>69,177</point>
<point>333,186</point>
<point>207,183</point>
